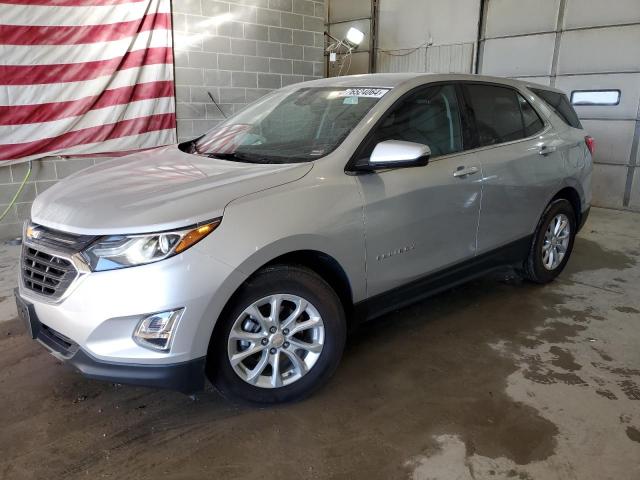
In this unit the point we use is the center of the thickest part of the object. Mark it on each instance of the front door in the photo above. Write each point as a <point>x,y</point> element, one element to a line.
<point>419,220</point>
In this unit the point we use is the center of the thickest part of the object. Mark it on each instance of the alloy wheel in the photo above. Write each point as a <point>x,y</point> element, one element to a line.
<point>276,341</point>
<point>556,241</point>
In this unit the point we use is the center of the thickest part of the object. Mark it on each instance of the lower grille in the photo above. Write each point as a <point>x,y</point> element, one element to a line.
<point>46,274</point>
<point>56,341</point>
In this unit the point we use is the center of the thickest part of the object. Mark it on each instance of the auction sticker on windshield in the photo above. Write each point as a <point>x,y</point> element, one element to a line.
<point>364,92</point>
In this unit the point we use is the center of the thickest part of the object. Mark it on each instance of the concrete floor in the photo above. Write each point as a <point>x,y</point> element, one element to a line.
<point>491,380</point>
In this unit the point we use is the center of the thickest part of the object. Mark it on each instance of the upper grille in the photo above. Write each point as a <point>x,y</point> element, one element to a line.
<point>46,274</point>
<point>59,241</point>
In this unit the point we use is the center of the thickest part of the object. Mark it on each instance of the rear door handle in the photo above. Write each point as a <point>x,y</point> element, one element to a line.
<point>545,149</point>
<point>464,171</point>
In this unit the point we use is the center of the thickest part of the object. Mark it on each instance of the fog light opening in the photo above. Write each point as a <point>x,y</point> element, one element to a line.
<point>155,331</point>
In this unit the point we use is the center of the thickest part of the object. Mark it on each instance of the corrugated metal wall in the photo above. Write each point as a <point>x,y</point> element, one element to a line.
<point>457,57</point>
<point>578,45</point>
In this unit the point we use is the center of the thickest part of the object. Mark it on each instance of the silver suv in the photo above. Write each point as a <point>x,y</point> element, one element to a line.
<point>244,255</point>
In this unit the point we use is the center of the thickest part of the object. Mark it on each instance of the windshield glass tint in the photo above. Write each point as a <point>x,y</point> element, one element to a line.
<point>286,127</point>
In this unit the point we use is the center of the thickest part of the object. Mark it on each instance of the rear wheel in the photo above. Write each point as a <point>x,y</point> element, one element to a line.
<point>552,243</point>
<point>281,338</point>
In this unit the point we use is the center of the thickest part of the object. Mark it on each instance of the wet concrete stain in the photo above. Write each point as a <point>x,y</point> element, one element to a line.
<point>627,309</point>
<point>633,433</point>
<point>603,355</point>
<point>630,389</point>
<point>590,255</point>
<point>622,371</point>
<point>603,392</point>
<point>563,359</point>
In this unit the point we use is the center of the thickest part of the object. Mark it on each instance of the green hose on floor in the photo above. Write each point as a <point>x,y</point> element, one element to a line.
<point>15,197</point>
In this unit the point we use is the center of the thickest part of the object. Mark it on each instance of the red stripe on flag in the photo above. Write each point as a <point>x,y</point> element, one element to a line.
<point>74,35</point>
<point>101,133</point>
<point>74,72</point>
<point>47,112</point>
<point>69,3</point>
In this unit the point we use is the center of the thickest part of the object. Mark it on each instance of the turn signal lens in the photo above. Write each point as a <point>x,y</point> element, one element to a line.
<point>195,235</point>
<point>155,331</point>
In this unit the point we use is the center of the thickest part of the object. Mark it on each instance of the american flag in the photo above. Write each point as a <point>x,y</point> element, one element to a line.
<point>84,77</point>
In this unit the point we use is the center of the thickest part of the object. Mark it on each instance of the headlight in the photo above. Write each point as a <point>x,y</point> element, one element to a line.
<point>120,251</point>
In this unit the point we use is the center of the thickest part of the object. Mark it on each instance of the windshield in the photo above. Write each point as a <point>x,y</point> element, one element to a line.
<point>288,127</point>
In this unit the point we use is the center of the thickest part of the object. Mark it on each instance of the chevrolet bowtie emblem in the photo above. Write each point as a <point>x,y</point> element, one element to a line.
<point>33,232</point>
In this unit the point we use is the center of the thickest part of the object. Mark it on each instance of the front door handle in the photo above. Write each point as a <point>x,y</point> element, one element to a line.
<point>464,171</point>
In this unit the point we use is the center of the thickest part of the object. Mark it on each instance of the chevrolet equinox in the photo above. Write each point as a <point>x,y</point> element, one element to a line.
<point>241,256</point>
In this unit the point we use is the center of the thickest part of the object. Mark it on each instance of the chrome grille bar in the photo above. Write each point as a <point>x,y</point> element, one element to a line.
<point>46,274</point>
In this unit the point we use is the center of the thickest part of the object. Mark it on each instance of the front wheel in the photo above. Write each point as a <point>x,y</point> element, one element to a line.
<point>281,338</point>
<point>552,243</point>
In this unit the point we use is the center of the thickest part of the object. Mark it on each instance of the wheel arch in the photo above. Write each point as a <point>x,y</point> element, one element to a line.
<point>573,196</point>
<point>321,263</point>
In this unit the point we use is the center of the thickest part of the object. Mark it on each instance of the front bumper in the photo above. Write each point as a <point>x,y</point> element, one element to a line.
<point>186,377</point>
<point>100,311</point>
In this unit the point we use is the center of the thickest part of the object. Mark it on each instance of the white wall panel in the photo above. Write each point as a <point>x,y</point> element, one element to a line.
<point>608,185</point>
<point>591,13</point>
<point>613,139</point>
<point>410,23</point>
<point>614,49</point>
<point>412,62</point>
<point>347,10</point>
<point>506,56</point>
<point>540,80</point>
<point>627,83</point>
<point>515,17</point>
<point>359,64</point>
<point>456,58</point>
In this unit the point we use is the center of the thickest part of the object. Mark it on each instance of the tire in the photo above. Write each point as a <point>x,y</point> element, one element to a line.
<point>538,267</point>
<point>291,286</point>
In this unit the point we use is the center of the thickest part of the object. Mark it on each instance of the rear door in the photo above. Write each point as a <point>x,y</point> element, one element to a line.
<point>421,219</point>
<point>521,161</point>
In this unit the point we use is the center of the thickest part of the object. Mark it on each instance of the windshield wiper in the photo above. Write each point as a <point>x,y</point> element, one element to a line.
<point>256,158</point>
<point>237,157</point>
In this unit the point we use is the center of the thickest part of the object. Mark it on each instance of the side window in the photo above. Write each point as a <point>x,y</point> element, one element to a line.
<point>430,116</point>
<point>559,104</point>
<point>532,122</point>
<point>497,114</point>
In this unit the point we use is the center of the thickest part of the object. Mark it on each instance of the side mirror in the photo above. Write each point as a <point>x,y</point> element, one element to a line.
<point>399,154</point>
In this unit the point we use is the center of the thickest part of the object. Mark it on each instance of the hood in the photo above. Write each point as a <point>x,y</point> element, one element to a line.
<point>155,190</point>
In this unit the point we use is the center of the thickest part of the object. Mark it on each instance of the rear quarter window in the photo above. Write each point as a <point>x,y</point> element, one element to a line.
<point>501,114</point>
<point>560,104</point>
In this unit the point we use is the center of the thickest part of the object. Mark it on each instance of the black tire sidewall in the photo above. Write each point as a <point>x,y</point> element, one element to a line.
<point>279,279</point>
<point>535,268</point>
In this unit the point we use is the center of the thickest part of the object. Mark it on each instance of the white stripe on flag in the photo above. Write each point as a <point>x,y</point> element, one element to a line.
<point>13,14</point>
<point>62,92</point>
<point>95,118</point>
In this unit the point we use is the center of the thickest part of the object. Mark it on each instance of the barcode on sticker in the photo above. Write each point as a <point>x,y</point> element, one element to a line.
<point>364,92</point>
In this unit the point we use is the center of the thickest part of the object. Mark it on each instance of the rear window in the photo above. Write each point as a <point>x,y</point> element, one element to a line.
<point>501,114</point>
<point>559,103</point>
